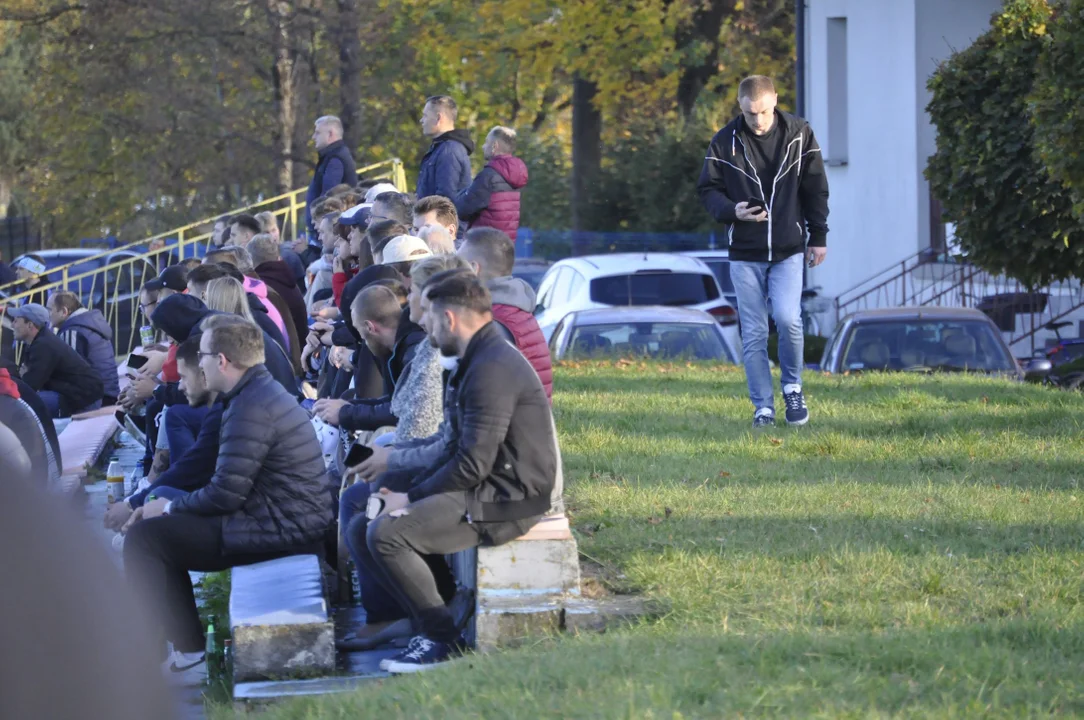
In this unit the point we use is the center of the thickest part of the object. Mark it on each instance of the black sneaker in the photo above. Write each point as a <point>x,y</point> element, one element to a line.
<point>425,655</point>
<point>764,418</point>
<point>797,412</point>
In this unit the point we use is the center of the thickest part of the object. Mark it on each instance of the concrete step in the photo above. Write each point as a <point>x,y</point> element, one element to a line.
<point>279,620</point>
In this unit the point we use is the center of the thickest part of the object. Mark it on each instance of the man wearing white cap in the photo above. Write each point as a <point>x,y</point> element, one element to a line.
<point>402,252</point>
<point>31,270</point>
<point>379,189</point>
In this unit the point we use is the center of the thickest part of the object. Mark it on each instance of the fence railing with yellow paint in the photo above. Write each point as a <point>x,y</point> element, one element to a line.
<point>288,209</point>
<point>113,287</point>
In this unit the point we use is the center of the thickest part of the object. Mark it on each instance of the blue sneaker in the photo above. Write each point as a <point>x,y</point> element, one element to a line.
<point>797,412</point>
<point>764,418</point>
<point>424,654</point>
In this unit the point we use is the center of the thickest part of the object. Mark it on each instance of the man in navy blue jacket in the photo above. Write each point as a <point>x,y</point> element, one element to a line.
<point>445,169</point>
<point>335,166</point>
<point>194,468</point>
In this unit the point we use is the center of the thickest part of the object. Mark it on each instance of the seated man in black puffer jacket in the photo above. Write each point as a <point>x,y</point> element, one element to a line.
<point>269,496</point>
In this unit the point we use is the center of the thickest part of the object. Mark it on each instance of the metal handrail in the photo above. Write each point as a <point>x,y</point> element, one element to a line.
<point>396,174</point>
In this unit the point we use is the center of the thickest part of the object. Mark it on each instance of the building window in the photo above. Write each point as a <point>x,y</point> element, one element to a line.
<point>837,91</point>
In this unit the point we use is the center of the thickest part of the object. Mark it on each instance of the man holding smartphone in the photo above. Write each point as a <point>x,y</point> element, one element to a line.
<point>764,177</point>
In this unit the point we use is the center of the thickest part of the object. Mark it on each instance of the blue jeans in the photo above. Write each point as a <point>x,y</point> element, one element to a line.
<point>182,426</point>
<point>755,283</point>
<point>380,606</point>
<point>52,403</point>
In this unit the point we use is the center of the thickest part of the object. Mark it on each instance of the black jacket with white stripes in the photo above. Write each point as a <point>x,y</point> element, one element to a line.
<point>799,201</point>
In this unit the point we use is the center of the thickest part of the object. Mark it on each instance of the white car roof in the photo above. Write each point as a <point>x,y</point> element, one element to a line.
<point>593,266</point>
<point>641,313</point>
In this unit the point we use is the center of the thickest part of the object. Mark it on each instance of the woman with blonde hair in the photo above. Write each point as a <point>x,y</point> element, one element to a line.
<point>227,295</point>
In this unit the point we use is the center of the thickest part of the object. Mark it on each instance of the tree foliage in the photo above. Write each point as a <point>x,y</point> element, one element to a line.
<point>1010,216</point>
<point>148,114</point>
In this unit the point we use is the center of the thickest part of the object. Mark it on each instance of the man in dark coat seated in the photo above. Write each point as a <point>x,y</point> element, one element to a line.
<point>269,496</point>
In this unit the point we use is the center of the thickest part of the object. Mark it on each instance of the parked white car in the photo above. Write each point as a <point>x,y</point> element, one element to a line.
<point>624,279</point>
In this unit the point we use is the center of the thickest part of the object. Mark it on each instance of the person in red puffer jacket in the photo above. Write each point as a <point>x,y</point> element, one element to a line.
<point>491,253</point>
<point>492,199</point>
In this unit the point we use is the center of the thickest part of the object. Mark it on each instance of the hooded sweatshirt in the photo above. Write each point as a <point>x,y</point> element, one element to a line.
<point>179,316</point>
<point>280,278</point>
<point>445,169</point>
<point>88,333</point>
<point>513,304</point>
<point>259,289</point>
<point>492,200</point>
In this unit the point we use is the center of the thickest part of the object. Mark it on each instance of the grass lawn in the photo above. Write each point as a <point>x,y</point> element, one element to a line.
<point>916,551</point>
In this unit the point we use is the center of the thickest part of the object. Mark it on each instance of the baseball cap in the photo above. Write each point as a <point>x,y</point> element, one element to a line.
<point>174,277</point>
<point>32,312</point>
<point>405,248</point>
<point>379,189</point>
<point>357,215</point>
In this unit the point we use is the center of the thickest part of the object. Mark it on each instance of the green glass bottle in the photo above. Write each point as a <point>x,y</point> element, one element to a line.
<point>211,653</point>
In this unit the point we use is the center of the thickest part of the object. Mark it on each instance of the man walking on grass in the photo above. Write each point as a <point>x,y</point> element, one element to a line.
<point>764,177</point>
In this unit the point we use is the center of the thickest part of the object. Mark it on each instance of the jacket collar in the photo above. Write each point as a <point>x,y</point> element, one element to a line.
<point>331,149</point>
<point>483,337</point>
<point>252,374</point>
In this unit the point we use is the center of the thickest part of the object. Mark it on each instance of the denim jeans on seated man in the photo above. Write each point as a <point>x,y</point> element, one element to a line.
<point>182,424</point>
<point>781,282</point>
<point>380,605</point>
<point>57,408</point>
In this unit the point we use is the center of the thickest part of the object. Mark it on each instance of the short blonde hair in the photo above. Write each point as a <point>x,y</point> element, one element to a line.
<point>266,219</point>
<point>227,295</point>
<point>423,271</point>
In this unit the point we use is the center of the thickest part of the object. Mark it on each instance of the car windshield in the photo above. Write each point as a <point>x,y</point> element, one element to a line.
<point>919,344</point>
<point>666,340</point>
<point>655,288</point>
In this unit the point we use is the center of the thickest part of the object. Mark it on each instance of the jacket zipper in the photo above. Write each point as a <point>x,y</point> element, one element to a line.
<point>756,176</point>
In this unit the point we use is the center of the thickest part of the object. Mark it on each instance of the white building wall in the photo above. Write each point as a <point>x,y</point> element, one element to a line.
<point>879,205</point>
<point>873,200</point>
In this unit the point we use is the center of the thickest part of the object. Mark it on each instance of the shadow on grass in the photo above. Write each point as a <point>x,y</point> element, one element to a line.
<point>1024,472</point>
<point>818,536</point>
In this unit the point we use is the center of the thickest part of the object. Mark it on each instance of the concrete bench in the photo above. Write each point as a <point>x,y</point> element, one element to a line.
<point>521,587</point>
<point>84,438</point>
<point>279,620</point>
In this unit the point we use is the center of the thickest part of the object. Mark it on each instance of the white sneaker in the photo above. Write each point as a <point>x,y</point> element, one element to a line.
<point>185,668</point>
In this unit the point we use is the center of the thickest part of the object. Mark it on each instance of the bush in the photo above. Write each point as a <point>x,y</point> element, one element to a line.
<point>1010,216</point>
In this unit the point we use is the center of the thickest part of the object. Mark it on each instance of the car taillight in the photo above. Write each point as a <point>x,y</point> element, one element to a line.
<point>725,314</point>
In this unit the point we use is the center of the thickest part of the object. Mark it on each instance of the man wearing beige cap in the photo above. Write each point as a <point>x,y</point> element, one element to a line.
<point>402,252</point>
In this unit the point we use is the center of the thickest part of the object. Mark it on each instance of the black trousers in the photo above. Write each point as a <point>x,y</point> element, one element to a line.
<point>158,555</point>
<point>394,549</point>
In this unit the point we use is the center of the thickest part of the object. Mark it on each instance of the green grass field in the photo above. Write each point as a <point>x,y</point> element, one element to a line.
<point>916,551</point>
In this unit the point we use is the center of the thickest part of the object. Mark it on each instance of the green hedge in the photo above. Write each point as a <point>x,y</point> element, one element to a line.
<point>813,352</point>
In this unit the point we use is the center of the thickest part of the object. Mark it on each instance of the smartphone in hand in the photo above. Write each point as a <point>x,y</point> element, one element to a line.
<point>358,454</point>
<point>756,204</point>
<point>136,361</point>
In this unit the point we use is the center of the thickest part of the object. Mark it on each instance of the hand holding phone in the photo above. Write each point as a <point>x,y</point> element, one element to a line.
<point>358,454</point>
<point>136,361</point>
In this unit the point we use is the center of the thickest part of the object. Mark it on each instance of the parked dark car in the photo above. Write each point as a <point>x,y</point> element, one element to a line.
<point>920,339</point>
<point>665,333</point>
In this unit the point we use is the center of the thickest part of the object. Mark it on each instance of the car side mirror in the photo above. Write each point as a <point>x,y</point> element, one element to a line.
<point>1037,368</point>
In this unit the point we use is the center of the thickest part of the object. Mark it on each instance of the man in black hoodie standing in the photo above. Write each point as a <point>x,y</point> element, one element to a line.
<point>491,483</point>
<point>764,177</point>
<point>335,166</point>
<point>445,169</point>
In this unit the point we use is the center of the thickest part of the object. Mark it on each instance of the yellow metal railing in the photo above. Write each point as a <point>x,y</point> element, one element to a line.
<point>289,215</point>
<point>114,288</point>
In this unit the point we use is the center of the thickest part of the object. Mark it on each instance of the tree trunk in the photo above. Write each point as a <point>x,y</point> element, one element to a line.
<point>349,40</point>
<point>586,152</point>
<point>704,27</point>
<point>5,196</point>
<point>287,73</point>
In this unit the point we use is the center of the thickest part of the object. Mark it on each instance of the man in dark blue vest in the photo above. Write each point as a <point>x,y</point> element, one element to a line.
<point>334,167</point>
